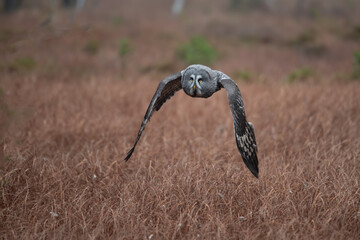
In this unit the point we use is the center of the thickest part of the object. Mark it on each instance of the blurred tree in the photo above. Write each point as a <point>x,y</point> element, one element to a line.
<point>271,5</point>
<point>177,7</point>
<point>80,4</point>
<point>247,4</point>
<point>11,5</point>
<point>49,19</point>
<point>76,5</point>
<point>69,3</point>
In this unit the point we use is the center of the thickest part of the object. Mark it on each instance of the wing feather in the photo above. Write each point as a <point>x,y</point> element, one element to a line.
<point>244,131</point>
<point>166,89</point>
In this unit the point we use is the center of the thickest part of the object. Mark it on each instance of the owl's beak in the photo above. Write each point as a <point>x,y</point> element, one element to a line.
<point>194,86</point>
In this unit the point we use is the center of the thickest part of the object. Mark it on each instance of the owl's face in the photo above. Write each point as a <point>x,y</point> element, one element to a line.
<point>197,82</point>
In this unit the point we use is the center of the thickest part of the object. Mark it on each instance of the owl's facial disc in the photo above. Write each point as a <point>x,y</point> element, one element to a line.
<point>197,83</point>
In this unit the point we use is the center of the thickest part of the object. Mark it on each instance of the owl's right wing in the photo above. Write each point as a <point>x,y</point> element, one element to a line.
<point>166,89</point>
<point>244,131</point>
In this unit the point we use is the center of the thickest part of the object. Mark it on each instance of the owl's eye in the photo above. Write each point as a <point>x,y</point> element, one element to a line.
<point>191,79</point>
<point>200,81</point>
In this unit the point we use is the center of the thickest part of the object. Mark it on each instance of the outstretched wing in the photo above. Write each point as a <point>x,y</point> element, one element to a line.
<point>244,131</point>
<point>166,89</point>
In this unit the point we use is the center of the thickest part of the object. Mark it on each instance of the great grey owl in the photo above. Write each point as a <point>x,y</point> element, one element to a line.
<point>201,81</point>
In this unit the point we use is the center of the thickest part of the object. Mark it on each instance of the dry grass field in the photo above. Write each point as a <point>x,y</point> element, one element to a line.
<point>67,124</point>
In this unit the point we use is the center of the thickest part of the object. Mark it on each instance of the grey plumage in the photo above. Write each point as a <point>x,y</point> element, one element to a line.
<point>201,81</point>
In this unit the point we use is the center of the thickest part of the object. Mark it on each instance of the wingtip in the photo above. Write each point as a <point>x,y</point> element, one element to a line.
<point>255,169</point>
<point>255,173</point>
<point>128,155</point>
<point>252,166</point>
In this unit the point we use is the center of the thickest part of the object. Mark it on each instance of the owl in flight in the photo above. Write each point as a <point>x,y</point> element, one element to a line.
<point>201,81</point>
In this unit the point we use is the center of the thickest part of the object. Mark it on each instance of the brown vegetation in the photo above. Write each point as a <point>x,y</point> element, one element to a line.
<point>69,127</point>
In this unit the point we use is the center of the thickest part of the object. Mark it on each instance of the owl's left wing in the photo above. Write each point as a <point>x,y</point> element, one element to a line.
<point>166,89</point>
<point>244,131</point>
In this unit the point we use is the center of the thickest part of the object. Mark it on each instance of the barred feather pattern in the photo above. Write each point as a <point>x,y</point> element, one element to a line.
<point>244,131</point>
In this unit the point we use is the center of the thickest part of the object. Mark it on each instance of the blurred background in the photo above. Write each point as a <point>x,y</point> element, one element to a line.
<point>253,41</point>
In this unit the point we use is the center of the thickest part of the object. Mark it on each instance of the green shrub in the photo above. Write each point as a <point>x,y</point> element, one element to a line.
<point>125,47</point>
<point>315,13</point>
<point>197,50</point>
<point>92,47</point>
<point>242,75</point>
<point>117,21</point>
<point>22,64</point>
<point>357,58</point>
<point>300,75</point>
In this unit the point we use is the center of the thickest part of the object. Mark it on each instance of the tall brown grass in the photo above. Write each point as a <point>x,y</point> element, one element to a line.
<point>65,177</point>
